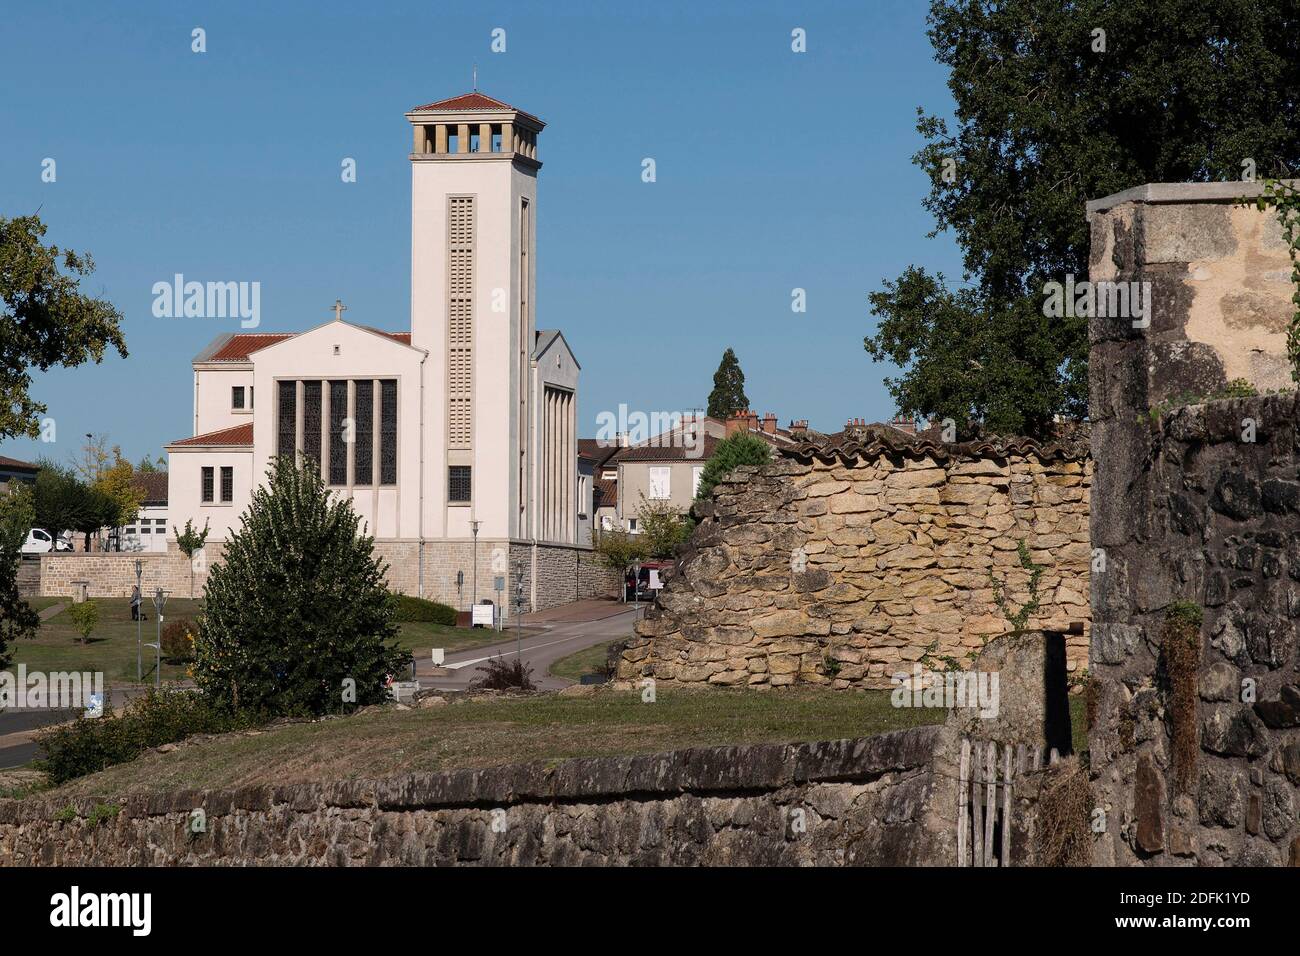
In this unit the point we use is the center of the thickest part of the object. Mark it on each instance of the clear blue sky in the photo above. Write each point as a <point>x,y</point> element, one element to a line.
<point>775,170</point>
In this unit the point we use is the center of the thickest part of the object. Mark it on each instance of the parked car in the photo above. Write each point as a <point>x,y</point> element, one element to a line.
<point>39,542</point>
<point>644,585</point>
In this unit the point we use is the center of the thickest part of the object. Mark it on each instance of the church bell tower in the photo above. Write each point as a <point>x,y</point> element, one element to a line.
<point>473,207</point>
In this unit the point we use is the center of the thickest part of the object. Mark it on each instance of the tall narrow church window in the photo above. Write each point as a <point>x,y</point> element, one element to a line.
<point>338,446</point>
<point>460,320</point>
<point>459,485</point>
<point>287,425</point>
<point>206,474</point>
<point>388,432</point>
<point>311,413</point>
<point>363,447</point>
<point>227,485</point>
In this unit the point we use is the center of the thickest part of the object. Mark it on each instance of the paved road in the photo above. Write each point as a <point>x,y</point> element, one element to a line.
<point>540,650</point>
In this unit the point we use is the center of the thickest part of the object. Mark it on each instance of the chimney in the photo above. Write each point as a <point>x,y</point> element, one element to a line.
<point>737,422</point>
<point>799,428</point>
<point>769,423</point>
<point>905,424</point>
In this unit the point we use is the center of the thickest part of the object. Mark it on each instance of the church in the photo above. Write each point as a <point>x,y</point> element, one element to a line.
<point>456,441</point>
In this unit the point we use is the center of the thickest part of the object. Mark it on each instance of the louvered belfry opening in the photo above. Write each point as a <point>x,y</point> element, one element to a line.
<point>460,321</point>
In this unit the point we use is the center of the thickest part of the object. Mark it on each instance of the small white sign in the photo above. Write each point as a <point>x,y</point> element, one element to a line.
<point>655,583</point>
<point>438,654</point>
<point>483,614</point>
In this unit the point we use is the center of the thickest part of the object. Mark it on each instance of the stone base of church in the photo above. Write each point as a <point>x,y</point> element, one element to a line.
<point>551,574</point>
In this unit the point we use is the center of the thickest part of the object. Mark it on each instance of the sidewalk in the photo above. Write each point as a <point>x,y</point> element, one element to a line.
<point>579,612</point>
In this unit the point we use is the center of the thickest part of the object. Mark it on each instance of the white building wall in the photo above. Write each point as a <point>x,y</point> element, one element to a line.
<point>212,395</point>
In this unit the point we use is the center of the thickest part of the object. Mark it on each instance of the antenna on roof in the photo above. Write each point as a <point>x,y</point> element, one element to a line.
<point>475,77</point>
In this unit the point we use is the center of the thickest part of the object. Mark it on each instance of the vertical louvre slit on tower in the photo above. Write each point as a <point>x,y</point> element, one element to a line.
<point>460,321</point>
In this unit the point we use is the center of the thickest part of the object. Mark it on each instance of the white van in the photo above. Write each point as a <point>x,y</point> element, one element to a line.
<point>39,542</point>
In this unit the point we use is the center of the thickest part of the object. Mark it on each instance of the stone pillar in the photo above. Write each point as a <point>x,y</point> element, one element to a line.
<point>440,138</point>
<point>421,139</point>
<point>507,137</point>
<point>462,138</point>
<point>485,137</point>
<point>1180,513</point>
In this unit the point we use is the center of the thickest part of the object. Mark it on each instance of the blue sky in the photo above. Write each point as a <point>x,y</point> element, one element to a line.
<point>775,171</point>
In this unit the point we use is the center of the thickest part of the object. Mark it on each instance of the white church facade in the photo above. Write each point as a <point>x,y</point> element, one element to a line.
<point>456,442</point>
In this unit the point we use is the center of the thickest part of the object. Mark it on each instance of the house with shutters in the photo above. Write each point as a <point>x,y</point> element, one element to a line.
<point>454,439</point>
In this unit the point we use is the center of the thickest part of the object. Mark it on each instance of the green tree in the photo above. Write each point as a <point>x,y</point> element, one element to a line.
<point>296,616</point>
<point>17,619</point>
<point>85,616</point>
<point>728,393</point>
<point>741,448</point>
<point>45,321</point>
<point>662,526</point>
<point>1057,103</point>
<point>60,497</point>
<point>619,550</point>
<point>190,541</point>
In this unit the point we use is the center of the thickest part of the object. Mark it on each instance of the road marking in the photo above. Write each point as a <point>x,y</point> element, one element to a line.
<point>534,647</point>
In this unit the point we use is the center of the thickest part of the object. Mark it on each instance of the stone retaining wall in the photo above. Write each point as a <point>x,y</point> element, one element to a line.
<point>849,565</point>
<point>564,573</point>
<point>837,803</point>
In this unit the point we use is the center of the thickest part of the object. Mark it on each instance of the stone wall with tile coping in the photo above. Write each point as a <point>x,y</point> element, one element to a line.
<point>848,569</point>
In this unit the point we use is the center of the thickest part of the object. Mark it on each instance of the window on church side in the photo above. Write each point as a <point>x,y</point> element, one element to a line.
<point>237,398</point>
<point>338,472</point>
<point>311,418</point>
<point>227,485</point>
<point>363,447</point>
<point>287,426</point>
<point>388,432</point>
<point>459,484</point>
<point>207,482</point>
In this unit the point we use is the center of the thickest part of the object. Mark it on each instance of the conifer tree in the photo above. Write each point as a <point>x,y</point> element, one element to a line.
<point>728,393</point>
<point>297,618</point>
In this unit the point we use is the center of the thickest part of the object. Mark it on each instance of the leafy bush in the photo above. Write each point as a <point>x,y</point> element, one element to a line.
<point>17,619</point>
<point>297,619</point>
<point>84,618</point>
<point>503,674</point>
<point>410,609</point>
<point>89,744</point>
<point>741,448</point>
<point>178,641</point>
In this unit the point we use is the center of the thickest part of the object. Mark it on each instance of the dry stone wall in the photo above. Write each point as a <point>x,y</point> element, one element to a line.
<point>849,802</point>
<point>846,566</point>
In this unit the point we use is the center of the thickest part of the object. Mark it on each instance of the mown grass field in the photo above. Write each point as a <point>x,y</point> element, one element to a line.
<point>112,647</point>
<point>590,660</point>
<point>487,733</point>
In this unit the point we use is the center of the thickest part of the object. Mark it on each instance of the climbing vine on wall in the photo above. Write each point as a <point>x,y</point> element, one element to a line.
<point>1284,197</point>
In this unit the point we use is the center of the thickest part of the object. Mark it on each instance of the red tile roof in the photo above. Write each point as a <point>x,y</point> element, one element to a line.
<point>154,486</point>
<point>468,102</point>
<point>678,452</point>
<point>238,436</point>
<point>244,344</point>
<point>605,493</point>
<point>15,464</point>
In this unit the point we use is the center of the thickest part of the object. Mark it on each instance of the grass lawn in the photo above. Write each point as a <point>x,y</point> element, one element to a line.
<point>588,661</point>
<point>494,732</point>
<point>112,647</point>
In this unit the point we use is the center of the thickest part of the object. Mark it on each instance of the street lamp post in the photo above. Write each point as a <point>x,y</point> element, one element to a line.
<point>159,600</point>
<point>473,597</point>
<point>138,597</point>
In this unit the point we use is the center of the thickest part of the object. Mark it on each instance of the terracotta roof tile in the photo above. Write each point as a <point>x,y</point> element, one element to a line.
<point>239,435</point>
<point>244,344</point>
<point>16,465</point>
<point>471,102</point>
<point>605,493</point>
<point>154,485</point>
<point>872,441</point>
